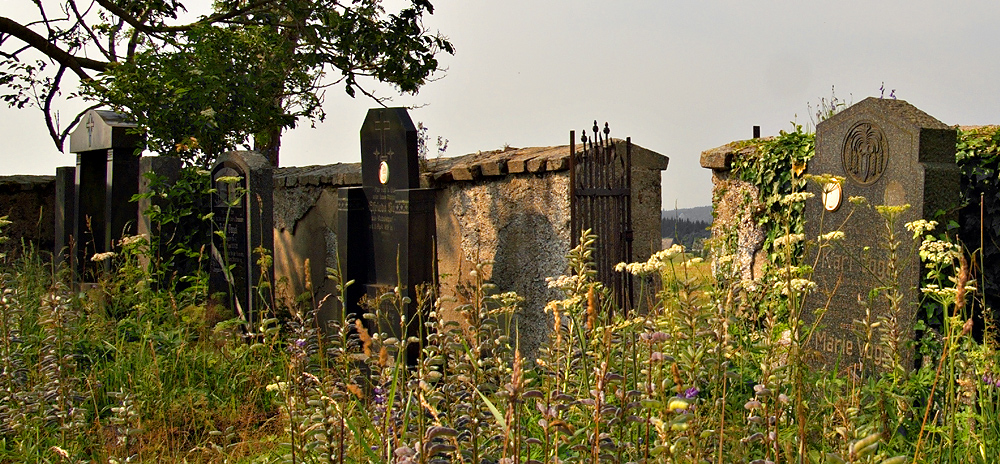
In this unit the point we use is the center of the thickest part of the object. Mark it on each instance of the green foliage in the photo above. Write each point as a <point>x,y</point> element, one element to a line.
<point>776,170</point>
<point>245,71</point>
<point>978,155</point>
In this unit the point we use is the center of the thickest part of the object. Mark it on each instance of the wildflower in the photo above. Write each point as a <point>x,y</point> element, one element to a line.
<point>691,393</point>
<point>920,226</point>
<point>692,262</point>
<point>562,281</point>
<point>131,240</point>
<point>229,179</point>
<point>831,236</point>
<point>277,387</point>
<point>797,285</point>
<point>859,200</point>
<point>657,261</point>
<point>102,256</point>
<point>788,240</point>
<point>678,404</point>
<point>796,197</point>
<point>938,251</point>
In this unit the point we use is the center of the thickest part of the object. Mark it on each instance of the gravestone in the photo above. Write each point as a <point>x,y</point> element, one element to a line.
<point>890,153</point>
<point>242,210</point>
<point>387,230</point>
<point>107,176</point>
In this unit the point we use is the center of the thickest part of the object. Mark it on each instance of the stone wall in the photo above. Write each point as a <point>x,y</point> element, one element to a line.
<point>509,208</point>
<point>29,203</point>
<point>735,205</point>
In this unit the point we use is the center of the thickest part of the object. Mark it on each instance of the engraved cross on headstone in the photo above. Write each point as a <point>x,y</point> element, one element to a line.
<point>90,130</point>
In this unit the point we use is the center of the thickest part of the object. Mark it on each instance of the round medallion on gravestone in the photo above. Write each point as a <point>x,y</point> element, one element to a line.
<point>383,172</point>
<point>866,153</point>
<point>833,195</point>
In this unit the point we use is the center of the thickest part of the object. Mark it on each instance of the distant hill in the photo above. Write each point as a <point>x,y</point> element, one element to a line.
<point>697,214</point>
<point>688,226</point>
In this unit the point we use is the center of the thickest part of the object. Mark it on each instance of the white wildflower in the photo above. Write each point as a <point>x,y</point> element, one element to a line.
<point>788,240</point>
<point>692,262</point>
<point>920,226</point>
<point>562,281</point>
<point>797,285</point>
<point>657,261</point>
<point>938,251</point>
<point>131,240</point>
<point>102,256</point>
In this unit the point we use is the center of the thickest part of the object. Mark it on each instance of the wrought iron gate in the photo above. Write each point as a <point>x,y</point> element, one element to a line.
<point>600,200</point>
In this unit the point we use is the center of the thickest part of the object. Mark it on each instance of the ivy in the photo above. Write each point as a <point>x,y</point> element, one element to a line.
<point>775,168</point>
<point>977,153</point>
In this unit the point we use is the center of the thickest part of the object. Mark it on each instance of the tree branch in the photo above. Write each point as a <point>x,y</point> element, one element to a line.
<point>147,29</point>
<point>78,65</point>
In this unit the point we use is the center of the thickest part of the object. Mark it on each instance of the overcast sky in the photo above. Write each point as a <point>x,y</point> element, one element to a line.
<point>678,77</point>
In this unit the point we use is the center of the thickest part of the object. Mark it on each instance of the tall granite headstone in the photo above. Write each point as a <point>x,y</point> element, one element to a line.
<point>890,153</point>
<point>242,207</point>
<point>107,176</point>
<point>387,229</point>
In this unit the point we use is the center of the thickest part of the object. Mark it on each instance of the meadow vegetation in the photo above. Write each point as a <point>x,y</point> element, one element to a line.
<point>135,370</point>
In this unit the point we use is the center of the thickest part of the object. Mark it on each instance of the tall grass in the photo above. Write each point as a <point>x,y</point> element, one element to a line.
<point>132,372</point>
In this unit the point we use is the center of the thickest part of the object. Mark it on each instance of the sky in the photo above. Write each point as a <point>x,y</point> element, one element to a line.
<point>678,77</point>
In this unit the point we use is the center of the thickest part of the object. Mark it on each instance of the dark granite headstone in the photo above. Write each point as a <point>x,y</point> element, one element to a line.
<point>386,231</point>
<point>107,176</point>
<point>890,153</point>
<point>242,207</point>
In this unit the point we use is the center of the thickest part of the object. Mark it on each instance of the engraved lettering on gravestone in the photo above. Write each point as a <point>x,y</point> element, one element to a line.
<point>381,201</point>
<point>832,196</point>
<point>865,153</point>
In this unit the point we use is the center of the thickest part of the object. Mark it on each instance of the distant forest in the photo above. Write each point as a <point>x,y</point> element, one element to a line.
<point>686,232</point>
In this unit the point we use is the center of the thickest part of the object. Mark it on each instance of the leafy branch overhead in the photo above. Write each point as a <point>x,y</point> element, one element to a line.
<point>247,70</point>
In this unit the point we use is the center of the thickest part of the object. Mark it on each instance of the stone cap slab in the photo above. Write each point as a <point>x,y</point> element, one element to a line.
<point>25,182</point>
<point>102,130</point>
<point>471,167</point>
<point>721,158</point>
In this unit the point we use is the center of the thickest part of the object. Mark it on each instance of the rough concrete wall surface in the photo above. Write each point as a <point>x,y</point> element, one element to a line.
<point>646,191</point>
<point>520,224</point>
<point>735,204</point>
<point>308,220</point>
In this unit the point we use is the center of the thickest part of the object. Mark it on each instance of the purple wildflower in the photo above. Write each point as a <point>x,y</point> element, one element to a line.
<point>691,393</point>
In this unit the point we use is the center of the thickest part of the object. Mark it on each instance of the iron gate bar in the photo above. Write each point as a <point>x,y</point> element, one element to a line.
<point>600,192</point>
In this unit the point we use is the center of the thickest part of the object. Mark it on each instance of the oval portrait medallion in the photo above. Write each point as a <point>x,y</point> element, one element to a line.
<point>383,172</point>
<point>833,195</point>
<point>866,153</point>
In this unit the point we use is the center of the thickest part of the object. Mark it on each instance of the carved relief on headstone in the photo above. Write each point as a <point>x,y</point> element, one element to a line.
<point>890,153</point>
<point>242,207</point>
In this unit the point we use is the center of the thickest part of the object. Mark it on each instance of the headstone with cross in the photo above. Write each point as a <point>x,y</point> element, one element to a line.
<point>387,230</point>
<point>107,176</point>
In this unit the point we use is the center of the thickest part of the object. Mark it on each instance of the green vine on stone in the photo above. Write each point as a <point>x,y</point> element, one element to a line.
<point>776,169</point>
